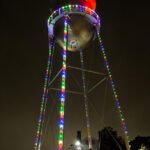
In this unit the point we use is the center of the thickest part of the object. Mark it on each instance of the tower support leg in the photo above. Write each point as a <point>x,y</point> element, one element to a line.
<point>63,90</point>
<point>86,102</point>
<point>44,98</point>
<point>115,94</point>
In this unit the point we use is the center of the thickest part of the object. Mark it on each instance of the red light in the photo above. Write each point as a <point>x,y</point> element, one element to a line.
<point>60,147</point>
<point>91,4</point>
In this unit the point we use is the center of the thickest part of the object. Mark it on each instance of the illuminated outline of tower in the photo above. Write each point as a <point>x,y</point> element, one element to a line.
<point>64,13</point>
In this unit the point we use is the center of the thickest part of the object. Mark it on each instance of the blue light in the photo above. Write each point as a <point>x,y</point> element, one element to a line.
<point>62,95</point>
<point>61,122</point>
<point>118,103</point>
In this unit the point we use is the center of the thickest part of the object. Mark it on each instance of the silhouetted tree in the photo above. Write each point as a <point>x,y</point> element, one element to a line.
<point>110,140</point>
<point>140,141</point>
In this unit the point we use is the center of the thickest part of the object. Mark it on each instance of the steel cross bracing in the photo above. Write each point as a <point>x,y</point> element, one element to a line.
<point>79,69</point>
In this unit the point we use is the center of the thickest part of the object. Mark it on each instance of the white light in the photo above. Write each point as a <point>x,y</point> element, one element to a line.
<point>60,142</point>
<point>77,143</point>
<point>61,127</point>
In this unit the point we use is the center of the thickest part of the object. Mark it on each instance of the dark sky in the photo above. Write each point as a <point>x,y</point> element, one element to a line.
<point>23,58</point>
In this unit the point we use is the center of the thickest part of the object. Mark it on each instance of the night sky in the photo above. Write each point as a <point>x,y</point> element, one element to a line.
<point>23,58</point>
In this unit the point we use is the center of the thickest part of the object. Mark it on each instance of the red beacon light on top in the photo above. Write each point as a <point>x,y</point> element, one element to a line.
<point>89,3</point>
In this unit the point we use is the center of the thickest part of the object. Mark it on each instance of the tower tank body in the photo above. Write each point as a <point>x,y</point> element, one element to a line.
<point>80,27</point>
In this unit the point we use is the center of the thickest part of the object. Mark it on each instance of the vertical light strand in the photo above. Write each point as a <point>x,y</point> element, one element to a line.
<point>86,102</point>
<point>44,102</point>
<point>127,141</point>
<point>62,95</point>
<point>51,53</point>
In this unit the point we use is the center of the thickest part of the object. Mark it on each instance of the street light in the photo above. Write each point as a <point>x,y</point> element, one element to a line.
<point>77,143</point>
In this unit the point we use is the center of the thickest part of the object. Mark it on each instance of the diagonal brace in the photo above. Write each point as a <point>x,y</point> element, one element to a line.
<point>96,85</point>
<point>86,70</point>
<point>67,91</point>
<point>55,77</point>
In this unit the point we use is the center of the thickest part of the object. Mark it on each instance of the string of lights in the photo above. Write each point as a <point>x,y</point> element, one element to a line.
<point>73,8</point>
<point>114,91</point>
<point>64,11</point>
<point>86,101</point>
<point>62,95</point>
<point>51,53</point>
<point>44,102</point>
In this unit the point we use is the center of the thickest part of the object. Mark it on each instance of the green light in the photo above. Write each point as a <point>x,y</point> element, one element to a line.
<point>47,68</point>
<point>115,92</point>
<point>64,63</point>
<point>62,108</point>
<point>60,136</point>
<point>67,8</point>
<point>63,83</point>
<point>49,19</point>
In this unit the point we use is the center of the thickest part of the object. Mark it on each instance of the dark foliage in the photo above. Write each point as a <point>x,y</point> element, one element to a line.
<point>110,140</point>
<point>139,141</point>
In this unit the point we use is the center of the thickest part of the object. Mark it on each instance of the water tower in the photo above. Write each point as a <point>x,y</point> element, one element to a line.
<point>72,27</point>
